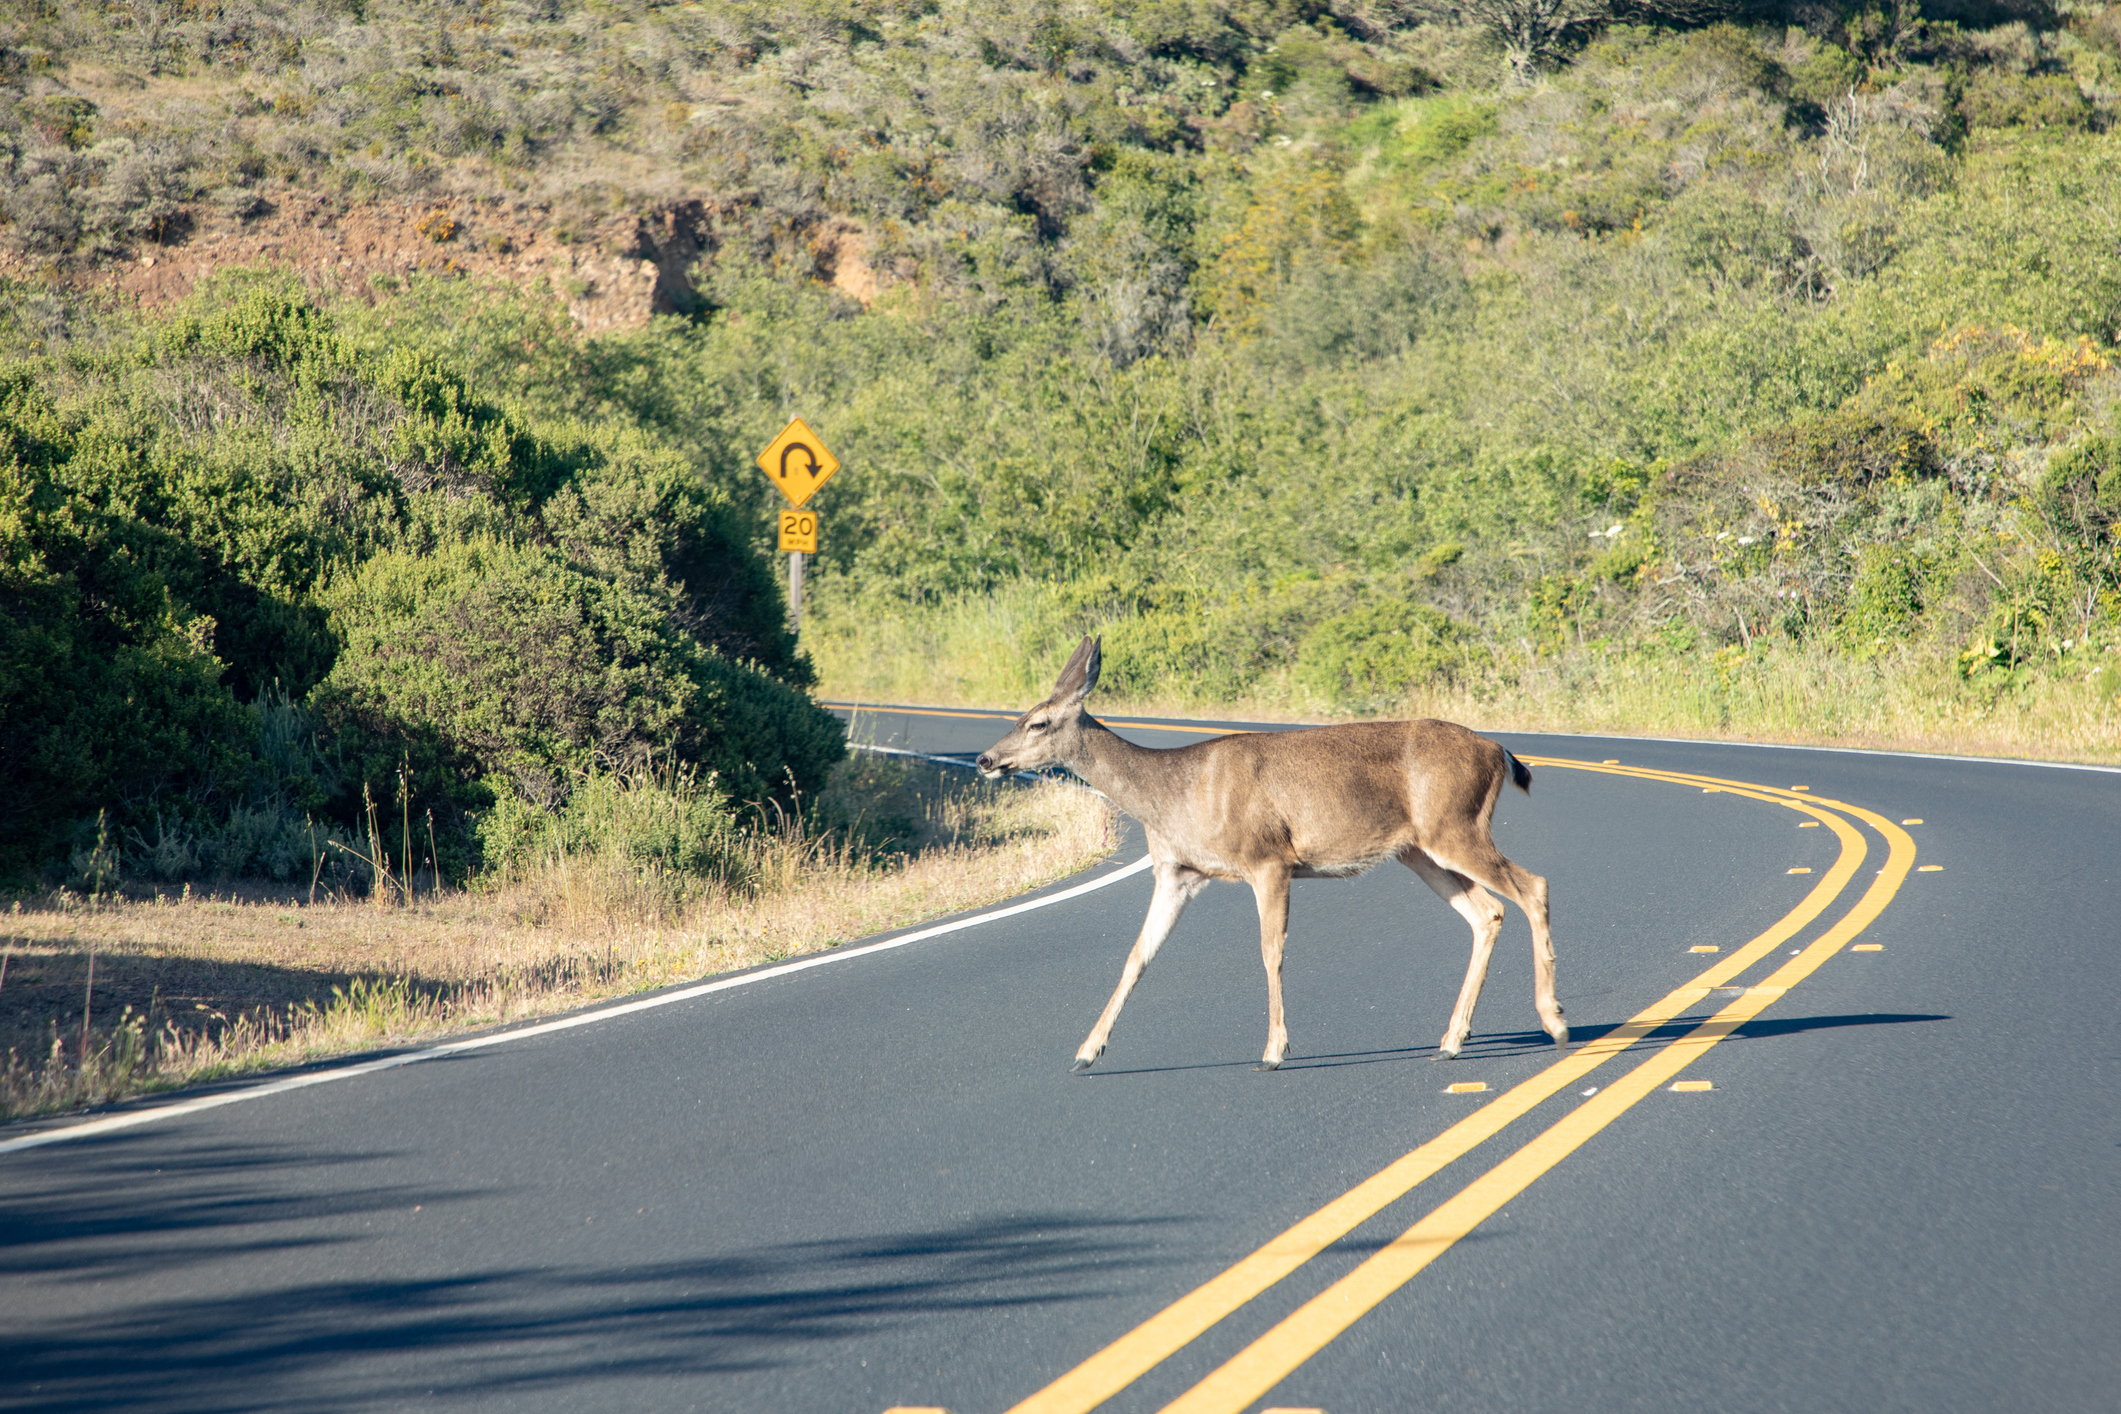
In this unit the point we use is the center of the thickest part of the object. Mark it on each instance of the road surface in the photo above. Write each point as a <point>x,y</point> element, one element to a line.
<point>873,1183</point>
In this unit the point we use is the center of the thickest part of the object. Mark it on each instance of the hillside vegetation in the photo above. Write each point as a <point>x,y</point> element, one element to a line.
<point>1740,369</point>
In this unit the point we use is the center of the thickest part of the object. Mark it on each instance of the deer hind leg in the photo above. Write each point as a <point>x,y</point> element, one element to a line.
<point>1487,865</point>
<point>1485,915</point>
<point>1175,889</point>
<point>1272,892</point>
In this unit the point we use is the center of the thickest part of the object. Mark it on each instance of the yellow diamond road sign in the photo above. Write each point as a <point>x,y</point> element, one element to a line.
<point>797,462</point>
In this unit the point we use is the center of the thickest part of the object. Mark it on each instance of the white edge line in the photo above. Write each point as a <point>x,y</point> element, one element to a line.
<point>1071,781</point>
<point>94,1127</point>
<point>916,755</point>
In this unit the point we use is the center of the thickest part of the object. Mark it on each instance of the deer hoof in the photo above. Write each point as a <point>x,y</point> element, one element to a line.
<point>1560,1032</point>
<point>1080,1063</point>
<point>1446,1052</point>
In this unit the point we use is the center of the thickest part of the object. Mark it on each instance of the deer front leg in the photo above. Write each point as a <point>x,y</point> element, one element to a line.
<point>1272,892</point>
<point>1175,888</point>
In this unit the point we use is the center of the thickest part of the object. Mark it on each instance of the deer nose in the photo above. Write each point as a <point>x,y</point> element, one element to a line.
<point>986,761</point>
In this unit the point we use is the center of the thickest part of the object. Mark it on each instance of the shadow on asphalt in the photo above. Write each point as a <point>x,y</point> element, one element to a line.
<point>1760,1030</point>
<point>100,1216</point>
<point>1509,1045</point>
<point>291,1338</point>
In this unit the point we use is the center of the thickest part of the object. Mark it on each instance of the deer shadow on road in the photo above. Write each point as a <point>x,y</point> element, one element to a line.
<point>1510,1045</point>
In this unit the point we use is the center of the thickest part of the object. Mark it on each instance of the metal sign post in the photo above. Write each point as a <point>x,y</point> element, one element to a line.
<point>797,462</point>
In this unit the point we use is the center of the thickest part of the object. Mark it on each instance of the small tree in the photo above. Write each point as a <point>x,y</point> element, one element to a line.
<point>1534,33</point>
<point>1538,34</point>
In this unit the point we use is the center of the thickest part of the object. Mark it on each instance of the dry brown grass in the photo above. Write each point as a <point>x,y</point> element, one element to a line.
<point>193,986</point>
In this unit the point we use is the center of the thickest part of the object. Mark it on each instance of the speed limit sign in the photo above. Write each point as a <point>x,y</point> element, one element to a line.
<point>799,532</point>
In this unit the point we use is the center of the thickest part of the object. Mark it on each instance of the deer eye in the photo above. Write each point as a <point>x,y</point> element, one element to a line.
<point>1036,726</point>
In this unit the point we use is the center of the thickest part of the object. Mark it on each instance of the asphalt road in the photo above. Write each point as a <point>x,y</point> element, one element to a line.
<point>873,1183</point>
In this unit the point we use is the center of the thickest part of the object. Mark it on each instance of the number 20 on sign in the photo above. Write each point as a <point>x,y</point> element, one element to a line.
<point>799,532</point>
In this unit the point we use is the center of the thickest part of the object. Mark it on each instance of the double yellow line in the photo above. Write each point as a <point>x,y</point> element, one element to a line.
<point>1245,1377</point>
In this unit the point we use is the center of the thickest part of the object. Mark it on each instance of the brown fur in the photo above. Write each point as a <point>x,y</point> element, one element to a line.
<point>1268,807</point>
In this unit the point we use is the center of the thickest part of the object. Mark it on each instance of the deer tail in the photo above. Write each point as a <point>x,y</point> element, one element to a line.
<point>1520,774</point>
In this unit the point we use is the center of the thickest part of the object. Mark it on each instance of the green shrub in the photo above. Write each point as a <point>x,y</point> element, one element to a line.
<point>1150,652</point>
<point>664,819</point>
<point>510,661</point>
<point>2081,488</point>
<point>1884,599</point>
<point>109,691</point>
<point>506,655</point>
<point>1824,76</point>
<point>1996,99</point>
<point>1370,656</point>
<point>1849,449</point>
<point>1416,134</point>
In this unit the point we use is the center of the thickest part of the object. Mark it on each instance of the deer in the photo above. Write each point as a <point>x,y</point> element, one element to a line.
<point>1266,808</point>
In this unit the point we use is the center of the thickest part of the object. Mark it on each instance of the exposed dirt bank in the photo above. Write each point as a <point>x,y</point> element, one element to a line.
<point>614,272</point>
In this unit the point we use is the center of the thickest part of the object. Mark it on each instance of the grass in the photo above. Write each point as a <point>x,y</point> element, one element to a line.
<point>1903,700</point>
<point>1908,698</point>
<point>983,650</point>
<point>198,985</point>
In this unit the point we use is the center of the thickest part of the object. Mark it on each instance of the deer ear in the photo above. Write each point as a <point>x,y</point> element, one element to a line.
<point>1080,675</point>
<point>1092,667</point>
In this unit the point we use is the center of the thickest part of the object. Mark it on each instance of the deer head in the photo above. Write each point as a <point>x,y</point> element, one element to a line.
<point>1053,729</point>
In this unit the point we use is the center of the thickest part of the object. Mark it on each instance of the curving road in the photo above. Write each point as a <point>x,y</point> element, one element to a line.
<point>871,1183</point>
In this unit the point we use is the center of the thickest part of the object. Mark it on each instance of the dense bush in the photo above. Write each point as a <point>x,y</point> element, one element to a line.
<point>537,670</point>
<point>255,574</point>
<point>1371,656</point>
